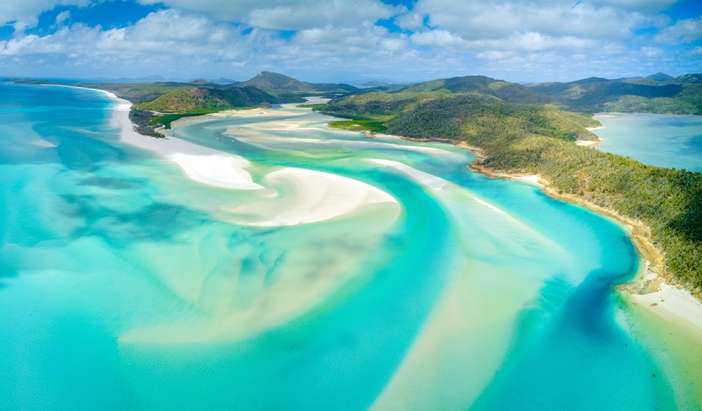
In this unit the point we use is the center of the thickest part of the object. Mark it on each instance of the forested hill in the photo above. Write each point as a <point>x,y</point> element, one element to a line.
<point>539,139</point>
<point>512,92</point>
<point>282,85</point>
<point>160,103</point>
<point>658,93</point>
<point>189,98</point>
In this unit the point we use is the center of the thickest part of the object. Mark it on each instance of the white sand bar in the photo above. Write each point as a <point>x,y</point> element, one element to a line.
<point>308,196</point>
<point>673,303</point>
<point>299,196</point>
<point>201,164</point>
<point>533,179</point>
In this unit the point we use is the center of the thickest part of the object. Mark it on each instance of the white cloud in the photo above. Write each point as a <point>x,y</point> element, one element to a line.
<point>651,52</point>
<point>25,12</point>
<point>62,17</point>
<point>683,31</point>
<point>287,14</point>
<point>149,37</point>
<point>638,5</point>
<point>410,21</point>
<point>437,38</point>
<point>499,19</point>
<point>200,38</point>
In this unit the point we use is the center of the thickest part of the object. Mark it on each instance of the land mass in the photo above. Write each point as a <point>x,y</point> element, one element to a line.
<point>518,134</point>
<point>518,129</point>
<point>157,105</point>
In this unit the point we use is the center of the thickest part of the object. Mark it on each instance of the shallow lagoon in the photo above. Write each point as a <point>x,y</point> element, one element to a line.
<point>127,285</point>
<point>657,139</point>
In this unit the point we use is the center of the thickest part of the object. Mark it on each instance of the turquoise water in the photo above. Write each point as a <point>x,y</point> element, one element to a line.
<point>126,285</point>
<point>656,139</point>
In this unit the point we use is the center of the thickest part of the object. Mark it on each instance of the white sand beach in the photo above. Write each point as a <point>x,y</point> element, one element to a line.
<point>309,197</point>
<point>426,179</point>
<point>532,179</point>
<point>254,134</point>
<point>293,196</point>
<point>200,164</point>
<point>673,303</point>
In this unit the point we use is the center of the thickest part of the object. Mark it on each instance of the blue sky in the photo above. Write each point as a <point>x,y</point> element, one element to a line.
<point>354,41</point>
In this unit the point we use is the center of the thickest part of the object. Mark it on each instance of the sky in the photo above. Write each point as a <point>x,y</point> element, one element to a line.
<point>353,41</point>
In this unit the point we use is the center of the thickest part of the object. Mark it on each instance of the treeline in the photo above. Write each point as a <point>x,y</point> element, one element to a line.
<point>539,139</point>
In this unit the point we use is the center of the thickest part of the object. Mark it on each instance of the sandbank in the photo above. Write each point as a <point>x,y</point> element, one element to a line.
<point>309,196</point>
<point>201,164</point>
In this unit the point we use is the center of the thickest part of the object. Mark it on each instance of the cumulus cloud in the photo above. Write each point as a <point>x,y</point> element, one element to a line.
<point>637,5</point>
<point>438,37</point>
<point>499,19</point>
<point>651,51</point>
<point>410,20</point>
<point>683,31</point>
<point>286,14</point>
<point>24,12</point>
<point>63,16</point>
<point>149,45</point>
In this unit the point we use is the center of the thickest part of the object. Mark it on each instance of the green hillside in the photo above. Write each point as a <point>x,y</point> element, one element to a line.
<point>504,90</point>
<point>658,93</point>
<point>189,99</point>
<point>539,139</point>
<point>282,85</point>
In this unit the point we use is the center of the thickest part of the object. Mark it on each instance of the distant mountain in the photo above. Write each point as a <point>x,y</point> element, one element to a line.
<point>695,78</point>
<point>202,99</point>
<point>377,84</point>
<point>512,92</point>
<point>280,84</point>
<point>658,93</point>
<point>659,77</point>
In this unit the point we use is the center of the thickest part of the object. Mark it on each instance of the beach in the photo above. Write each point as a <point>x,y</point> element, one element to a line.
<point>311,196</point>
<point>199,163</point>
<point>323,196</point>
<point>649,288</point>
<point>241,250</point>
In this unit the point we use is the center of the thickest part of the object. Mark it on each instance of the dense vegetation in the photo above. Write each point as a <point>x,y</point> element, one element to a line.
<point>539,139</point>
<point>203,99</point>
<point>512,92</point>
<point>521,128</point>
<point>282,85</point>
<point>165,120</point>
<point>373,126</point>
<point>658,93</point>
<point>159,104</point>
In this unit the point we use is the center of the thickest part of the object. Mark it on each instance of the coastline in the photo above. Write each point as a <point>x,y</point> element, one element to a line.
<point>651,287</point>
<point>200,164</point>
<point>318,196</point>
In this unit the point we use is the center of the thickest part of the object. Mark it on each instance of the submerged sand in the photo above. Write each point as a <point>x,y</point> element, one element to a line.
<point>288,196</point>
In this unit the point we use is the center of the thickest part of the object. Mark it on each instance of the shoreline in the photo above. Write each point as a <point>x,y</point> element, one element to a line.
<point>318,193</point>
<point>199,164</point>
<point>651,287</point>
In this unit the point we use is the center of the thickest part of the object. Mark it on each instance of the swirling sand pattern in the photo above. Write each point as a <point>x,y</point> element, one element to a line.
<point>133,278</point>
